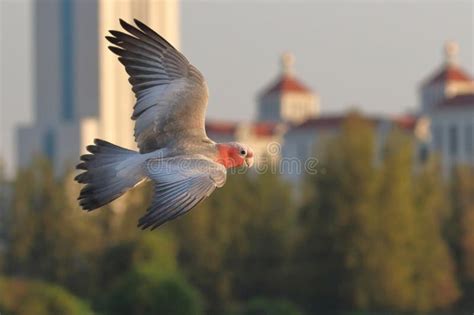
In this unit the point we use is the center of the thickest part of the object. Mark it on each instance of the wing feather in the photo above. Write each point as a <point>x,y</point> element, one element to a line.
<point>180,184</point>
<point>165,84</point>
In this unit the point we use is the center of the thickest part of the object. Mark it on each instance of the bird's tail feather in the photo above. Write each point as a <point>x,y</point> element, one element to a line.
<point>110,171</point>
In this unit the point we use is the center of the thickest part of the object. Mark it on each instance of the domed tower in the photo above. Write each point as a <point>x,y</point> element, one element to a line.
<point>449,81</point>
<point>287,99</point>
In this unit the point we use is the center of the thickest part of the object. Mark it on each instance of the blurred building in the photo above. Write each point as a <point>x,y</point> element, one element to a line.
<point>447,101</point>
<point>306,142</point>
<point>81,91</point>
<point>285,102</point>
<point>444,124</point>
<point>290,129</point>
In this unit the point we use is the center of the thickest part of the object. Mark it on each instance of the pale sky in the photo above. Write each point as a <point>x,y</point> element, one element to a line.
<point>370,54</point>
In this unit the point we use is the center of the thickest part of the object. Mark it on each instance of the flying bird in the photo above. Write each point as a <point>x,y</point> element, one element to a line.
<point>175,153</point>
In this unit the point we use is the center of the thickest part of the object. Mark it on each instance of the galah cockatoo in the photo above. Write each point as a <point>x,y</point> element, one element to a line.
<point>175,153</point>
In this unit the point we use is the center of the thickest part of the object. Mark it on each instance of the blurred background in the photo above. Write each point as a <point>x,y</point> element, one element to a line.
<point>361,114</point>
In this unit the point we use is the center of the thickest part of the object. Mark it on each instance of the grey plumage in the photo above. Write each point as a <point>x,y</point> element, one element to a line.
<point>171,93</point>
<point>174,150</point>
<point>102,183</point>
<point>180,184</point>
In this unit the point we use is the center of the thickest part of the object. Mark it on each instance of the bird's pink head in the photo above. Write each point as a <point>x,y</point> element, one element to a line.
<point>234,154</point>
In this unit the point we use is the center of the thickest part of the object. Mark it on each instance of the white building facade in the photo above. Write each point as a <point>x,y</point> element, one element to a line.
<point>447,100</point>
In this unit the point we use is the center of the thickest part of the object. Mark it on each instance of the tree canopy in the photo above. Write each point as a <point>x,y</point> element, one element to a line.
<point>376,231</point>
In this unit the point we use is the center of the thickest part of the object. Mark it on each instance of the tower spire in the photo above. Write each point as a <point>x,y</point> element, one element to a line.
<point>451,50</point>
<point>287,61</point>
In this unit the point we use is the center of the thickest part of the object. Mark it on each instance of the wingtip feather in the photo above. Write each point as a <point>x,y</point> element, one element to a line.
<point>124,24</point>
<point>116,50</point>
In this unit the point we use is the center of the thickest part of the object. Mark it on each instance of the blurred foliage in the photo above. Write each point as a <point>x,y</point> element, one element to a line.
<point>259,306</point>
<point>27,297</point>
<point>224,244</point>
<point>337,222</point>
<point>155,251</point>
<point>375,223</point>
<point>375,231</point>
<point>463,200</point>
<point>148,291</point>
<point>461,230</point>
<point>48,238</point>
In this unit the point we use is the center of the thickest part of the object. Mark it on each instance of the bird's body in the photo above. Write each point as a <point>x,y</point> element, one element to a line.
<point>174,150</point>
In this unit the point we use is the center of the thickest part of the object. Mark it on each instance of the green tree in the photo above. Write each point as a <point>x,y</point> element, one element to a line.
<point>460,229</point>
<point>372,229</point>
<point>395,225</point>
<point>47,237</point>
<point>261,268</point>
<point>50,238</point>
<point>153,250</point>
<point>236,244</point>
<point>463,200</point>
<point>258,306</point>
<point>210,239</point>
<point>337,221</point>
<point>413,269</point>
<point>23,297</point>
<point>141,276</point>
<point>435,279</point>
<point>147,291</point>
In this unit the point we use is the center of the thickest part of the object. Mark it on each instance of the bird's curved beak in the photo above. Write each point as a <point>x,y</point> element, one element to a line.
<point>249,159</point>
<point>249,162</point>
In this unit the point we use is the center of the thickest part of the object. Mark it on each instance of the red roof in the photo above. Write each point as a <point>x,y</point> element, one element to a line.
<point>321,122</point>
<point>263,129</point>
<point>407,122</point>
<point>286,83</point>
<point>449,73</point>
<point>227,128</point>
<point>331,122</point>
<point>461,100</point>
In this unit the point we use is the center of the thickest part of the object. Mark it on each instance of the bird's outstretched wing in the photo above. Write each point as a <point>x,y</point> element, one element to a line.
<point>171,93</point>
<point>179,185</point>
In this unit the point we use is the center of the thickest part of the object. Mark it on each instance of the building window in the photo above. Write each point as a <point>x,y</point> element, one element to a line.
<point>453,141</point>
<point>468,140</point>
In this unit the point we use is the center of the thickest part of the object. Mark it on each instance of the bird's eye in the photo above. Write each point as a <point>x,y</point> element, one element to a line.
<point>242,152</point>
